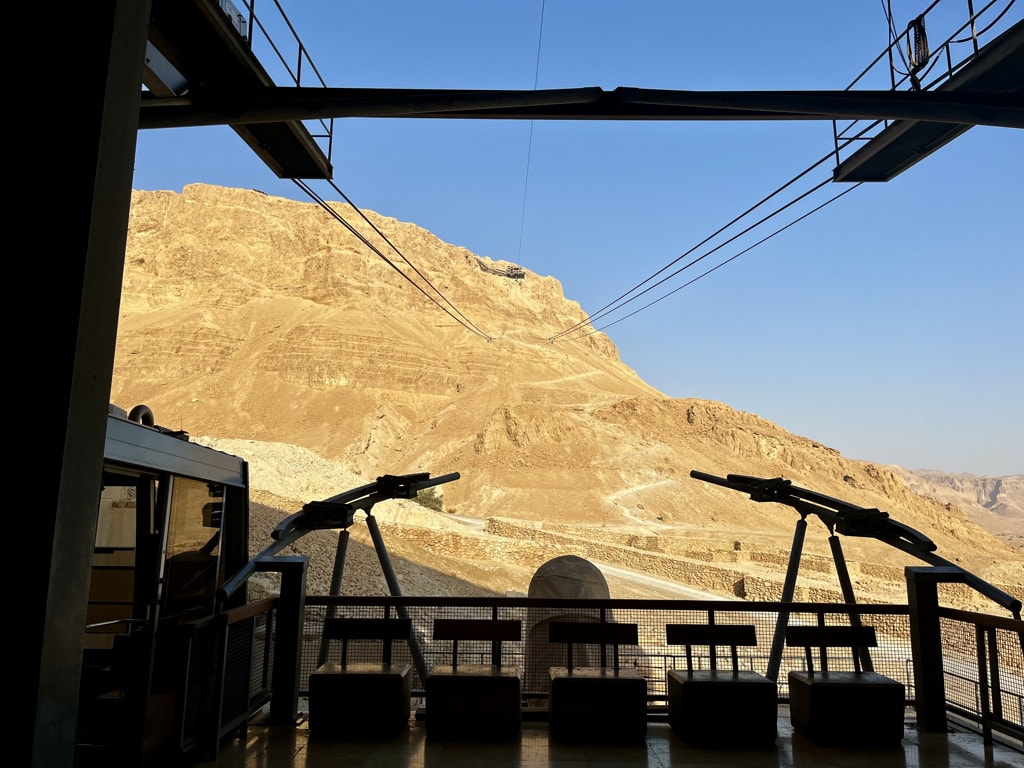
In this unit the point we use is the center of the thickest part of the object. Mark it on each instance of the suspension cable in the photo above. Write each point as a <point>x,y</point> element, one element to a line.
<point>893,34</point>
<point>402,255</point>
<point>621,301</point>
<point>777,211</point>
<point>529,144</point>
<point>975,34</point>
<point>461,319</point>
<point>726,261</point>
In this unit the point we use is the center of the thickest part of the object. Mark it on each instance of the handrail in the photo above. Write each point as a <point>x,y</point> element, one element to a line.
<point>302,57</point>
<point>943,49</point>
<point>653,656</point>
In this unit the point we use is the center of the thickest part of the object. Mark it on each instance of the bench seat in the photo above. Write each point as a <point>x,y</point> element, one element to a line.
<point>597,704</point>
<point>720,707</point>
<point>606,703</point>
<point>849,708</point>
<point>723,708</point>
<point>361,699</point>
<point>473,701</point>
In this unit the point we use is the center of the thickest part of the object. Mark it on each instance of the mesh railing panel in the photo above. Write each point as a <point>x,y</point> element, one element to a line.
<point>652,656</point>
<point>262,670</point>
<point>200,686</point>
<point>983,668</point>
<point>238,661</point>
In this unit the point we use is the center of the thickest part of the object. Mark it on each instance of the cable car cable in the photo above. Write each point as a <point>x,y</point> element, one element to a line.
<point>402,255</point>
<point>731,258</point>
<point>323,204</point>
<point>605,312</point>
<point>622,301</point>
<point>529,145</point>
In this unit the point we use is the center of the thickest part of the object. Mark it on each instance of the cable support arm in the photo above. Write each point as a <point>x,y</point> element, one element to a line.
<point>337,511</point>
<point>851,520</point>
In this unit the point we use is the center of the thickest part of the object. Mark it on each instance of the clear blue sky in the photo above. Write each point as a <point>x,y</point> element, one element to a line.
<point>888,325</point>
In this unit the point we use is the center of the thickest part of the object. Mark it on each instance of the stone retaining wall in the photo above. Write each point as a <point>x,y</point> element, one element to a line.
<point>711,567</point>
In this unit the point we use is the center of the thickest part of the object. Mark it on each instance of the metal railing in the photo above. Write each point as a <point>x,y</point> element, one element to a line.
<point>982,664</point>
<point>289,61</point>
<point>653,656</point>
<point>910,63</point>
<point>238,647</point>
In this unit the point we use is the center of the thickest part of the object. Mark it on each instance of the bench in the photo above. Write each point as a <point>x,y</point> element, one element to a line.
<point>596,703</point>
<point>361,699</point>
<point>720,707</point>
<point>475,701</point>
<point>843,707</point>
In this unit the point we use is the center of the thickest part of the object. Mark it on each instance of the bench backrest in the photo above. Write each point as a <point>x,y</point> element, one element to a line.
<point>593,633</point>
<point>712,636</point>
<point>385,630</point>
<point>823,638</point>
<point>495,630</point>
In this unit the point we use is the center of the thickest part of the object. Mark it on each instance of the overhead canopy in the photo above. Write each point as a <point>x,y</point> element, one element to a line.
<point>201,70</point>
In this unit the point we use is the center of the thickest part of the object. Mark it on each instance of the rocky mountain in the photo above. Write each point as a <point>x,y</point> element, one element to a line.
<point>264,325</point>
<point>994,503</point>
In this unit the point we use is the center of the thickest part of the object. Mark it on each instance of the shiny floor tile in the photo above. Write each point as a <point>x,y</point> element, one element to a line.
<point>281,747</point>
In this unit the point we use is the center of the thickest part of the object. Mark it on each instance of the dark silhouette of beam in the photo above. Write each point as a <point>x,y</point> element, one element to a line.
<point>998,68</point>
<point>278,104</point>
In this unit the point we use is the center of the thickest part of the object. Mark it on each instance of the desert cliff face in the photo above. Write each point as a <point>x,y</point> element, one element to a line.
<point>264,326</point>
<point>994,503</point>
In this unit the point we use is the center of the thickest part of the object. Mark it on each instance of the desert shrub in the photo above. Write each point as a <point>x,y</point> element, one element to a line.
<point>429,498</point>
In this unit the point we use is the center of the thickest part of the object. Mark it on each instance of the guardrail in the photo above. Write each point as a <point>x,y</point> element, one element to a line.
<point>289,61</point>
<point>982,663</point>
<point>909,62</point>
<point>653,657</point>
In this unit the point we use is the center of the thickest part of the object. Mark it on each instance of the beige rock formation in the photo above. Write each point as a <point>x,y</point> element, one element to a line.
<point>266,327</point>
<point>994,503</point>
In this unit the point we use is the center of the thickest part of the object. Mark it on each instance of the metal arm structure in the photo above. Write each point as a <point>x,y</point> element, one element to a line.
<point>339,512</point>
<point>851,520</point>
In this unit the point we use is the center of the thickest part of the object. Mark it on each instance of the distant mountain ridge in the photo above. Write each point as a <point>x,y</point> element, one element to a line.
<point>248,317</point>
<point>994,503</point>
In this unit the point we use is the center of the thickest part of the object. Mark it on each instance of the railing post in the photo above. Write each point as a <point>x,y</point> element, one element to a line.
<point>984,689</point>
<point>926,642</point>
<point>284,700</point>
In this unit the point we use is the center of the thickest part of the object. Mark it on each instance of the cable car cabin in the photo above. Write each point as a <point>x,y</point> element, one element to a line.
<point>172,526</point>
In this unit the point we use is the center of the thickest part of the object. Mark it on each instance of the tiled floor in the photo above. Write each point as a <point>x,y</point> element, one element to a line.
<point>276,747</point>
